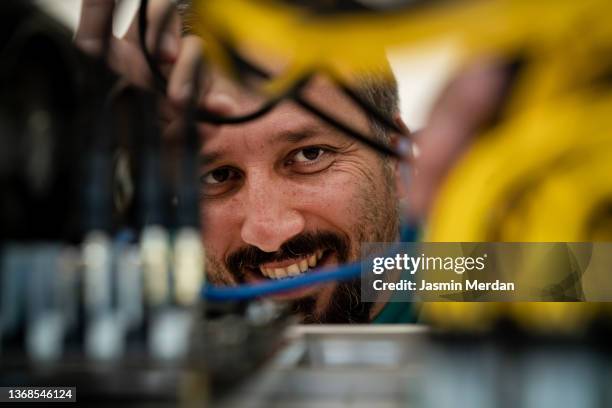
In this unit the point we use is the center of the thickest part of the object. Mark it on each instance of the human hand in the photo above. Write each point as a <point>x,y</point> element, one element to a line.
<point>176,57</point>
<point>470,100</point>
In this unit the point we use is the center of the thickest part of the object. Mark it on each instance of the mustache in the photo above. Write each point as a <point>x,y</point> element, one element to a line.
<point>301,245</point>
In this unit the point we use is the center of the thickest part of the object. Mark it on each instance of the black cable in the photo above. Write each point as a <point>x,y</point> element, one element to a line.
<point>245,65</point>
<point>108,35</point>
<point>293,93</point>
<point>159,80</point>
<point>367,108</point>
<point>98,195</point>
<point>372,143</point>
<point>161,83</point>
<point>187,191</point>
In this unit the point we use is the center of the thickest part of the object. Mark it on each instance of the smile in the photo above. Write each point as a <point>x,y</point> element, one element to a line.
<point>290,267</point>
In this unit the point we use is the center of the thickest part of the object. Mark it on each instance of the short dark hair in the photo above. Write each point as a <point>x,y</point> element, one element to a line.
<point>380,91</point>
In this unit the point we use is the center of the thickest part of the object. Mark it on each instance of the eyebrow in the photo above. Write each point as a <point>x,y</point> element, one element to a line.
<point>292,136</point>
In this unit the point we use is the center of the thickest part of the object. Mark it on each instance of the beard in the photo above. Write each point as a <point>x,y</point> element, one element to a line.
<point>377,220</point>
<point>344,307</point>
<point>344,304</point>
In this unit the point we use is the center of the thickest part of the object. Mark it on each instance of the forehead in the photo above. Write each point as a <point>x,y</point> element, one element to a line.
<point>286,121</point>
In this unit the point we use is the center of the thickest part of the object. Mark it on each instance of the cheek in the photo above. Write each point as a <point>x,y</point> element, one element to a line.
<point>357,199</point>
<point>217,220</point>
<point>335,196</point>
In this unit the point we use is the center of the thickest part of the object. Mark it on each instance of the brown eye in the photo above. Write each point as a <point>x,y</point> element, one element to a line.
<point>311,159</point>
<point>219,181</point>
<point>308,154</point>
<point>217,176</point>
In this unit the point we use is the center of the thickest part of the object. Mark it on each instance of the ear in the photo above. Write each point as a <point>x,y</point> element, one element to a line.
<point>401,167</point>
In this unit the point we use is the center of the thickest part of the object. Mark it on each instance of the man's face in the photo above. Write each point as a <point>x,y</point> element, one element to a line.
<point>285,194</point>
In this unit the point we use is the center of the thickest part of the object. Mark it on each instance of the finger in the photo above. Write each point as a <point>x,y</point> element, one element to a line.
<point>181,80</point>
<point>163,34</point>
<point>128,60</point>
<point>467,103</point>
<point>95,26</point>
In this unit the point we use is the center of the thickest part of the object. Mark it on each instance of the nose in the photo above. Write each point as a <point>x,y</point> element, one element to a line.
<point>270,217</point>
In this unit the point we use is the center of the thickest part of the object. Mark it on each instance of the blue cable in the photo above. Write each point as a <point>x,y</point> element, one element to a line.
<point>249,291</point>
<point>243,292</point>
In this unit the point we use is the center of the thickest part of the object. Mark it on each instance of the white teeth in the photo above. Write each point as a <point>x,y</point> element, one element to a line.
<point>269,272</point>
<point>312,261</point>
<point>264,271</point>
<point>280,272</point>
<point>293,269</point>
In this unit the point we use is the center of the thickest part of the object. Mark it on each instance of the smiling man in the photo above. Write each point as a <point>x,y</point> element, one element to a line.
<point>286,193</point>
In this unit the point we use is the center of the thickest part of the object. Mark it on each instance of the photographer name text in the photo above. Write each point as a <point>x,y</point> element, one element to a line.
<point>422,263</point>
